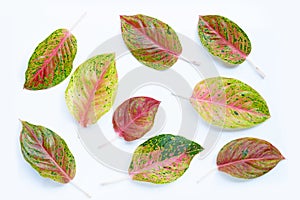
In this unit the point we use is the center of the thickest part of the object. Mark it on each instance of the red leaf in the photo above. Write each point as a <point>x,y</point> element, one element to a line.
<point>134,117</point>
<point>47,153</point>
<point>248,157</point>
<point>151,41</point>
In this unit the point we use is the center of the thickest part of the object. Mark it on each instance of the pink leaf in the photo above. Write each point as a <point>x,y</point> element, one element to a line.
<point>135,117</point>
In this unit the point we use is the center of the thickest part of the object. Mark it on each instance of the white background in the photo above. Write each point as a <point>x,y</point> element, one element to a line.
<point>273,29</point>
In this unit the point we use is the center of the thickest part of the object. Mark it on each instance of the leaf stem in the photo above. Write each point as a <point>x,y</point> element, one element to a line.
<point>115,181</point>
<point>258,70</point>
<point>179,96</point>
<point>206,174</point>
<point>78,21</point>
<point>191,62</point>
<point>108,142</point>
<point>80,189</point>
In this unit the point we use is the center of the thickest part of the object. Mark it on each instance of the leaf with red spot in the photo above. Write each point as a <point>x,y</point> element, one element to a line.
<point>135,117</point>
<point>162,159</point>
<point>52,61</point>
<point>229,103</point>
<point>248,158</point>
<point>151,41</point>
<point>47,153</point>
<point>224,38</point>
<point>92,89</point>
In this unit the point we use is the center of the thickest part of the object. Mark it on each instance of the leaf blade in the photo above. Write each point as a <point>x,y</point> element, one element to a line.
<point>229,103</point>
<point>162,159</point>
<point>151,41</point>
<point>224,38</point>
<point>52,61</point>
<point>92,89</point>
<point>135,117</point>
<point>47,153</point>
<point>248,158</point>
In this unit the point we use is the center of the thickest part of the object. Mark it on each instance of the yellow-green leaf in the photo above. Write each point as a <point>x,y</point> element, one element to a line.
<point>92,89</point>
<point>229,103</point>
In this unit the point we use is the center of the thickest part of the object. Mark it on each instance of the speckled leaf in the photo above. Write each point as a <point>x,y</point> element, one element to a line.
<point>135,117</point>
<point>162,159</point>
<point>229,103</point>
<point>224,38</point>
<point>52,61</point>
<point>151,41</point>
<point>92,89</point>
<point>248,158</point>
<point>47,153</point>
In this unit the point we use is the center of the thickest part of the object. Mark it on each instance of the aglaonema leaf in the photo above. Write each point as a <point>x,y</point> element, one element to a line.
<point>162,159</point>
<point>224,38</point>
<point>47,153</point>
<point>248,158</point>
<point>151,41</point>
<point>135,117</point>
<point>52,61</point>
<point>92,89</point>
<point>229,103</point>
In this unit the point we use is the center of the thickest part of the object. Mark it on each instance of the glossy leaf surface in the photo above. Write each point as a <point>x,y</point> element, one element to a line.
<point>92,89</point>
<point>151,41</point>
<point>229,103</point>
<point>135,117</point>
<point>47,153</point>
<point>248,158</point>
<point>52,61</point>
<point>162,159</point>
<point>224,38</point>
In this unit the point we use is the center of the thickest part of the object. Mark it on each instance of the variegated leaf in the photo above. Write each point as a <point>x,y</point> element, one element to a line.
<point>135,117</point>
<point>47,153</point>
<point>162,159</point>
<point>224,38</point>
<point>248,158</point>
<point>229,103</point>
<point>151,41</point>
<point>92,89</point>
<point>52,61</point>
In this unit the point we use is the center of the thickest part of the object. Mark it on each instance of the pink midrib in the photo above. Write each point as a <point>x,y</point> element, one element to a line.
<point>157,164</point>
<point>153,41</point>
<point>228,106</point>
<point>136,117</point>
<point>84,119</point>
<point>65,175</point>
<point>228,43</point>
<point>52,54</point>
<point>249,160</point>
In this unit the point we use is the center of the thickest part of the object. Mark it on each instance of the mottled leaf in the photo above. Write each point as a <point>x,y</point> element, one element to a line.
<point>248,158</point>
<point>229,103</point>
<point>47,153</point>
<point>162,159</point>
<point>52,61</point>
<point>151,41</point>
<point>92,89</point>
<point>135,117</point>
<point>224,38</point>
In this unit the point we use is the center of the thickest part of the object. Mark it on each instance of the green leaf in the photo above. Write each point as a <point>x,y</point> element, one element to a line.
<point>92,89</point>
<point>151,41</point>
<point>162,159</point>
<point>224,38</point>
<point>229,103</point>
<point>248,158</point>
<point>47,153</point>
<point>52,61</point>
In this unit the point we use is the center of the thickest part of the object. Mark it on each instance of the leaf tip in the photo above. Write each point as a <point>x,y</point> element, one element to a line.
<point>22,121</point>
